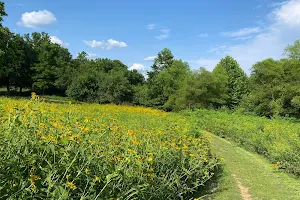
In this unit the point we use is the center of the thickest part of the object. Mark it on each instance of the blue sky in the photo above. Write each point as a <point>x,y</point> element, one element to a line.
<point>134,31</point>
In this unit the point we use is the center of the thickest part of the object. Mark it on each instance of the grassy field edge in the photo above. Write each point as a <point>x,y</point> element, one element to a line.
<point>254,171</point>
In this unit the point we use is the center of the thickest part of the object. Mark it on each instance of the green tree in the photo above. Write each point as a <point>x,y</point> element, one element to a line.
<point>51,59</point>
<point>266,88</point>
<point>21,64</point>
<point>135,78</point>
<point>200,90</point>
<point>167,82</point>
<point>237,80</point>
<point>103,81</point>
<point>85,86</point>
<point>163,61</point>
<point>2,13</point>
<point>293,51</point>
<point>6,57</point>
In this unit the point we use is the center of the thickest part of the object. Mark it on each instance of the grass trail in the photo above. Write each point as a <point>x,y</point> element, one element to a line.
<point>254,173</point>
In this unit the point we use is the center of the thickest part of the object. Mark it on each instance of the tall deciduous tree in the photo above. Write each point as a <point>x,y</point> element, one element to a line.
<point>163,61</point>
<point>293,51</point>
<point>2,12</point>
<point>167,82</point>
<point>51,59</point>
<point>237,80</point>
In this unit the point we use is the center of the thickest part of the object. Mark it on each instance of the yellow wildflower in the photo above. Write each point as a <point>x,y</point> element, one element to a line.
<point>97,179</point>
<point>71,185</point>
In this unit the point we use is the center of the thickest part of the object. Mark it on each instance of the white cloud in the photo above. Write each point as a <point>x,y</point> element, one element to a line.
<point>165,30</point>
<point>56,40</point>
<point>151,26</point>
<point>95,44</point>
<point>288,13</point>
<point>220,50</point>
<point>36,19</point>
<point>203,35</point>
<point>137,66</point>
<point>19,5</point>
<point>277,4</point>
<point>208,63</point>
<point>162,36</point>
<point>91,55</point>
<point>284,29</point>
<point>165,33</point>
<point>242,32</point>
<point>258,7</point>
<point>140,68</point>
<point>244,38</point>
<point>109,44</point>
<point>150,58</point>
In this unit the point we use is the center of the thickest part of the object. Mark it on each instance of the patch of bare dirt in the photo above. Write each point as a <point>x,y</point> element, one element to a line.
<point>244,191</point>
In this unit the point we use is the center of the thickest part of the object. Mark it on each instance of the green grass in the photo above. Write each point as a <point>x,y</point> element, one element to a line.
<point>276,139</point>
<point>254,172</point>
<point>57,98</point>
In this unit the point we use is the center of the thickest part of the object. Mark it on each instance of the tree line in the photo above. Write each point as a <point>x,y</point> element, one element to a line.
<point>33,61</point>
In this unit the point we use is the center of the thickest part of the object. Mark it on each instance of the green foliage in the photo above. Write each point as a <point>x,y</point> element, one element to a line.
<point>103,81</point>
<point>141,95</point>
<point>163,61</point>
<point>235,79</point>
<point>293,51</point>
<point>85,87</point>
<point>274,85</point>
<point>51,59</point>
<point>2,13</point>
<point>200,90</point>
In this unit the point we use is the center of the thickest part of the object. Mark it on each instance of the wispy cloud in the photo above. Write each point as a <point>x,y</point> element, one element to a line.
<point>164,34</point>
<point>258,7</point>
<point>150,58</point>
<point>244,38</point>
<point>283,29</point>
<point>277,4</point>
<point>208,63</point>
<point>202,35</point>
<point>109,44</point>
<point>151,26</point>
<point>91,55</point>
<point>242,32</point>
<point>19,5</point>
<point>220,50</point>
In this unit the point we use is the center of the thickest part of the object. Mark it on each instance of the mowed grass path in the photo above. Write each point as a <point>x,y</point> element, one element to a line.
<point>254,172</point>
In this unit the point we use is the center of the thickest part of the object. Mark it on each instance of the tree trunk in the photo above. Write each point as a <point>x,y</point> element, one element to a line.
<point>8,86</point>
<point>21,90</point>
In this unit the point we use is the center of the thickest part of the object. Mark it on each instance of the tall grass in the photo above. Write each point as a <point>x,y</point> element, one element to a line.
<point>277,139</point>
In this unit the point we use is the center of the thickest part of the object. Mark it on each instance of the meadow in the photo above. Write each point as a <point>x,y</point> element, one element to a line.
<point>92,151</point>
<point>276,139</point>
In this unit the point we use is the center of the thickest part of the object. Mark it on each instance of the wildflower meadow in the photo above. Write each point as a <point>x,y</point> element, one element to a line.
<point>92,151</point>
